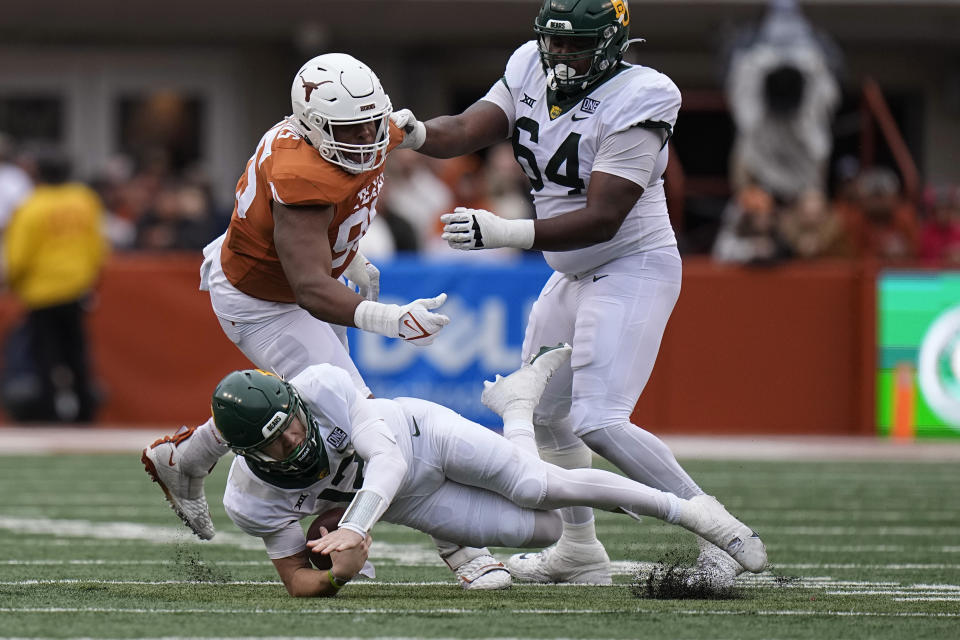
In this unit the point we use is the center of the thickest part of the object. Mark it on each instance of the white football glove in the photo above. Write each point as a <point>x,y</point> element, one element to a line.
<point>416,131</point>
<point>413,322</point>
<point>479,229</point>
<point>364,277</point>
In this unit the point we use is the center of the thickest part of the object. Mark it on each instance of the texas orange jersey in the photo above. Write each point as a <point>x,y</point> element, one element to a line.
<point>285,168</point>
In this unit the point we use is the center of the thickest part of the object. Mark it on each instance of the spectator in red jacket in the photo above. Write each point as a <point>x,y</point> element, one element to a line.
<point>940,233</point>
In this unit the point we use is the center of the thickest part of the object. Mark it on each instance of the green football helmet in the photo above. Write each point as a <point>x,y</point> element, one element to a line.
<point>251,408</point>
<point>602,26</point>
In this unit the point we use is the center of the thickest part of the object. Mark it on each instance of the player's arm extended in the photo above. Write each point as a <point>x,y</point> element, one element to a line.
<point>384,471</point>
<point>481,125</point>
<point>625,162</point>
<point>300,235</point>
<point>303,581</point>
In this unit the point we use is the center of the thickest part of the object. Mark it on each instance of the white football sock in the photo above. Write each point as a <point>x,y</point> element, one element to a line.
<point>518,429</point>
<point>200,452</point>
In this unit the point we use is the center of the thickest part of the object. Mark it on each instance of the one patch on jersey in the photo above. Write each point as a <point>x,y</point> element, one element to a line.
<point>555,111</point>
<point>338,438</point>
<point>527,100</point>
<point>589,105</point>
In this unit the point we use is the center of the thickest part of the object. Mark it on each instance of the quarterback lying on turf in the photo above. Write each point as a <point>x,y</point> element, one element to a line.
<point>306,445</point>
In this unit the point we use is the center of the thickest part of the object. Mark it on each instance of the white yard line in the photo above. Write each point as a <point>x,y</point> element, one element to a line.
<point>120,531</point>
<point>885,567</point>
<point>483,612</point>
<point>297,638</point>
<point>867,588</point>
<point>294,638</point>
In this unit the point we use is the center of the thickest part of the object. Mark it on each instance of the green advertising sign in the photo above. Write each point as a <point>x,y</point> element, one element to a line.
<point>918,336</point>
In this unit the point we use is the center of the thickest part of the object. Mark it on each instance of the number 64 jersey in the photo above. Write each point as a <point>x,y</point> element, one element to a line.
<point>556,143</point>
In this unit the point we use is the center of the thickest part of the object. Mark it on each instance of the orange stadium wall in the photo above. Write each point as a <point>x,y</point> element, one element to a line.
<point>775,350</point>
<point>786,349</point>
<point>157,350</point>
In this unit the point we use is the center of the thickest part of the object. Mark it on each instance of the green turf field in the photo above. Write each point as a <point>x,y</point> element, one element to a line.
<point>88,548</point>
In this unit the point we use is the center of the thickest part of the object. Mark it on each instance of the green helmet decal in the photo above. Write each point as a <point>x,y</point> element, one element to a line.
<point>251,408</point>
<point>600,30</point>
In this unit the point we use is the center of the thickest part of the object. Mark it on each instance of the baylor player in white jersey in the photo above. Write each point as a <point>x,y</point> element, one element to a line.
<point>591,133</point>
<point>307,445</point>
<point>560,143</point>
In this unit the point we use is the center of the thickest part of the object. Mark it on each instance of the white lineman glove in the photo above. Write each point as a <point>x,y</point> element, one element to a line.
<point>414,321</point>
<point>416,131</point>
<point>479,229</point>
<point>363,276</point>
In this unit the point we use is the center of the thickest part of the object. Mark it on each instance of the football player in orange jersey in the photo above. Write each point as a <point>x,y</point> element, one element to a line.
<point>305,199</point>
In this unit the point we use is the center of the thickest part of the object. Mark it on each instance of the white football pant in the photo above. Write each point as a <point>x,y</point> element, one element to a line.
<point>614,317</point>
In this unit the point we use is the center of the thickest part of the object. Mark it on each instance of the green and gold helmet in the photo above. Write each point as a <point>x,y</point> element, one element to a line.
<point>251,408</point>
<point>599,27</point>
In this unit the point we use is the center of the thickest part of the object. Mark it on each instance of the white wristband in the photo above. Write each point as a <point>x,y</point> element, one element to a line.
<point>521,233</point>
<point>415,139</point>
<point>377,317</point>
<point>364,511</point>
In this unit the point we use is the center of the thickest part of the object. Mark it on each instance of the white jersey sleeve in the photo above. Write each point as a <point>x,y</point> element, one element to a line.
<point>499,95</point>
<point>508,90</point>
<point>649,100</point>
<point>632,154</point>
<point>263,511</point>
<point>329,391</point>
<point>280,543</point>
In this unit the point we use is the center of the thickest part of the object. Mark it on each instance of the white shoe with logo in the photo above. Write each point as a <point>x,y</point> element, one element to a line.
<point>572,563</point>
<point>183,492</point>
<point>522,388</point>
<point>711,521</point>
<point>483,573</point>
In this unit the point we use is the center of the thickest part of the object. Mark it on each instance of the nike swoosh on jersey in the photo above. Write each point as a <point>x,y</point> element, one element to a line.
<point>416,428</point>
<point>595,278</point>
<point>576,119</point>
<point>171,462</point>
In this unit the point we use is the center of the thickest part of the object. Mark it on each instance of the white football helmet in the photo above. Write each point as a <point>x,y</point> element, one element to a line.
<point>336,89</point>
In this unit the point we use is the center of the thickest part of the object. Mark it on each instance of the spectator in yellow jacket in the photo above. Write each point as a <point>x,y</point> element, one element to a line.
<point>54,249</point>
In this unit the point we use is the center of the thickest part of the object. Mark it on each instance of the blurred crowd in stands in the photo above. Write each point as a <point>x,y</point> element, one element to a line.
<point>150,208</point>
<point>783,92</point>
<point>867,217</point>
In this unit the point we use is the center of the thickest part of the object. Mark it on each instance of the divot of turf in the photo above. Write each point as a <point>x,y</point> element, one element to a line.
<point>671,578</point>
<point>786,581</point>
<point>190,564</point>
